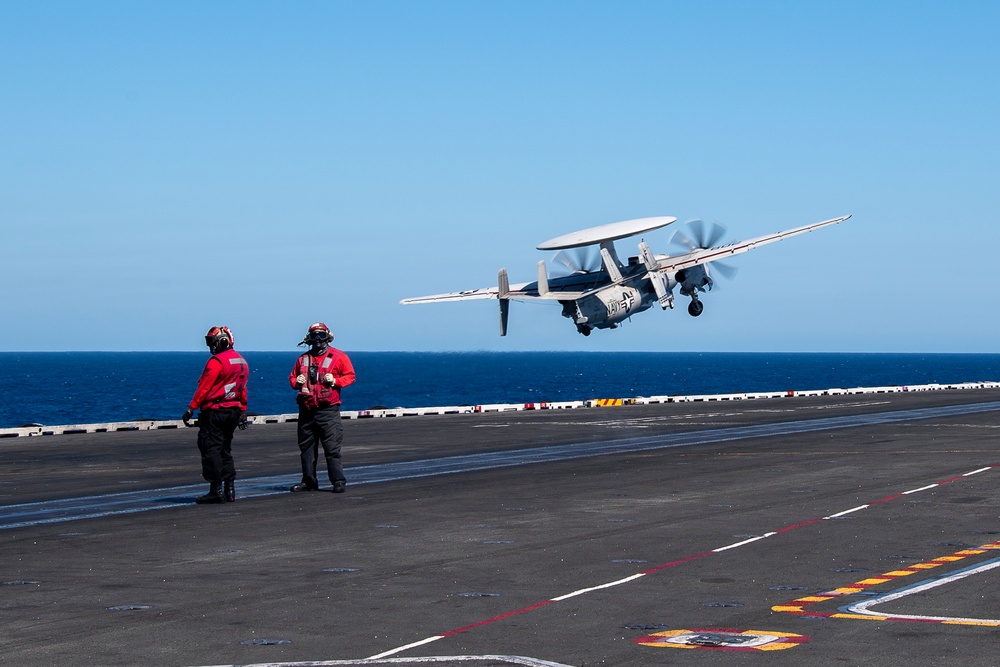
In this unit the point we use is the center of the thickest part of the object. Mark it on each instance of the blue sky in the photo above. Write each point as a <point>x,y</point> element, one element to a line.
<point>166,167</point>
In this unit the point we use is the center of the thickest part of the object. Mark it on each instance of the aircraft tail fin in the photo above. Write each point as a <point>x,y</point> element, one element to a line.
<point>657,279</point>
<point>543,279</point>
<point>611,265</point>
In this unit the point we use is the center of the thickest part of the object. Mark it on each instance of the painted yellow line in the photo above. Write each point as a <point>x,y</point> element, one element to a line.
<point>798,605</point>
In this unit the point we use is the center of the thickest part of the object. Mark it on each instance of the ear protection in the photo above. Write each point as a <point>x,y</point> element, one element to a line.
<point>219,339</point>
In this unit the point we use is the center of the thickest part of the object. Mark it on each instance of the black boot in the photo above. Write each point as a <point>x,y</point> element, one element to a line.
<point>230,491</point>
<point>213,496</point>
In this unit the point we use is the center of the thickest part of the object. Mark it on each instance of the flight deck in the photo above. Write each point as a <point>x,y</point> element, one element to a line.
<point>838,529</point>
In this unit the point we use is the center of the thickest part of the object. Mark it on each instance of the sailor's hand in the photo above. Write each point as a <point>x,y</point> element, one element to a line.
<point>244,423</point>
<point>187,417</point>
<point>330,380</point>
<point>300,380</point>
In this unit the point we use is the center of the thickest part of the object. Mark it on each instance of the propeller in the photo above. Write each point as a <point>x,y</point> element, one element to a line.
<point>697,234</point>
<point>700,234</point>
<point>571,261</point>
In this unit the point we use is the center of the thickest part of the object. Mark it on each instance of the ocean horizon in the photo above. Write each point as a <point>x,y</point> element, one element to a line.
<point>53,388</point>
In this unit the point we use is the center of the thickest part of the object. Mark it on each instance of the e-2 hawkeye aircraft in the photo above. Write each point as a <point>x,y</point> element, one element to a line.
<point>602,296</point>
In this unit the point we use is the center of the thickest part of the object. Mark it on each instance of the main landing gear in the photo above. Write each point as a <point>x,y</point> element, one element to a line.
<point>696,307</point>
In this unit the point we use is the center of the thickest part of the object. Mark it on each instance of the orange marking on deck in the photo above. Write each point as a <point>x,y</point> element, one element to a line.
<point>798,606</point>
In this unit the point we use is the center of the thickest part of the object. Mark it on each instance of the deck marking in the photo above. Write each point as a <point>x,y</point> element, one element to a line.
<point>792,607</point>
<point>845,512</point>
<point>723,639</point>
<point>860,610</point>
<point>863,607</point>
<point>922,488</point>
<point>744,542</point>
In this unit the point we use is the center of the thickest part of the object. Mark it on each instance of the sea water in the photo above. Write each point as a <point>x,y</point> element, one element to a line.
<point>91,387</point>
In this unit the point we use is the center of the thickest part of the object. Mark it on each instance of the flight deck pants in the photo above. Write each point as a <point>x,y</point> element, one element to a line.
<point>215,442</point>
<point>321,427</point>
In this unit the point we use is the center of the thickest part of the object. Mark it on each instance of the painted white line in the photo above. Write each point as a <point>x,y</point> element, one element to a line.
<point>865,607</point>
<point>597,588</point>
<point>839,514</point>
<point>976,472</point>
<point>744,542</point>
<point>408,646</point>
<point>922,488</point>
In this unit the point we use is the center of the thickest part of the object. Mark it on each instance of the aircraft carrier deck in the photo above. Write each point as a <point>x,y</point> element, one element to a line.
<point>852,529</point>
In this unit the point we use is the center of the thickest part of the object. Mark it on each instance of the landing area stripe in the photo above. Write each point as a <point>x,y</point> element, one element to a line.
<point>129,502</point>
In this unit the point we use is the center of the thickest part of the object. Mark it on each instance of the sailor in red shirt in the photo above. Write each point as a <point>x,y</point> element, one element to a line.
<point>221,398</point>
<point>319,375</point>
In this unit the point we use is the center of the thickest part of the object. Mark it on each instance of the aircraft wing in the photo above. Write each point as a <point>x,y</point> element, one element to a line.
<point>705,255</point>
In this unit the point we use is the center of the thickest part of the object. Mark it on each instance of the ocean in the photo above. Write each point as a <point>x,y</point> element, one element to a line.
<point>91,387</point>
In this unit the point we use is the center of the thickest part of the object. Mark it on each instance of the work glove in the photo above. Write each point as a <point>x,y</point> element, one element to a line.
<point>300,380</point>
<point>330,380</point>
<point>187,416</point>
<point>244,423</point>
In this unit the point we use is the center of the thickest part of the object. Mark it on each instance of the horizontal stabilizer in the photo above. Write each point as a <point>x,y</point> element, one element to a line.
<point>467,295</point>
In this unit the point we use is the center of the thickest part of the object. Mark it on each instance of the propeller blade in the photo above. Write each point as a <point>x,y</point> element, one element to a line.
<point>727,271</point>
<point>709,233</point>
<point>698,234</point>
<point>577,260</point>
<point>682,239</point>
<point>563,259</point>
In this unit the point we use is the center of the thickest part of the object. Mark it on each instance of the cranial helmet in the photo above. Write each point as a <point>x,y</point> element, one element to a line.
<point>219,339</point>
<point>318,335</point>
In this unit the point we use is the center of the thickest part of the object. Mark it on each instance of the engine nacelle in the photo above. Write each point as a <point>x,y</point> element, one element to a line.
<point>610,306</point>
<point>693,279</point>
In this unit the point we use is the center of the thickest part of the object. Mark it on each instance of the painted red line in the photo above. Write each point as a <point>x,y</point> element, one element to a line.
<point>496,618</point>
<point>677,562</point>
<point>887,499</point>
<point>798,525</point>
<point>951,479</point>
